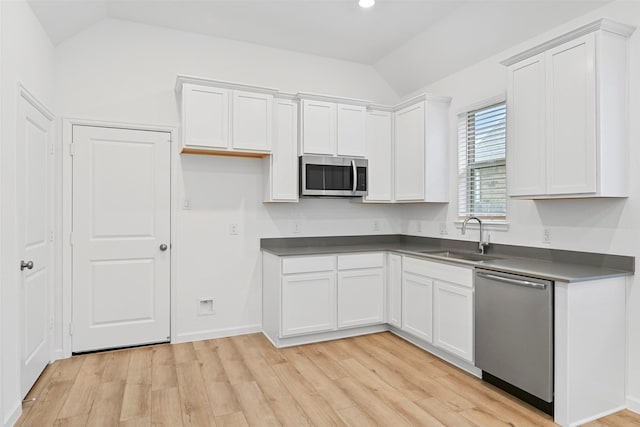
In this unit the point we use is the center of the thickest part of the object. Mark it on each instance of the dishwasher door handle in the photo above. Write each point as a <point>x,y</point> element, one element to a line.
<point>510,281</point>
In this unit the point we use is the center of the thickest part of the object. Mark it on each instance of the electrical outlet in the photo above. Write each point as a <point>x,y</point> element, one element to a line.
<point>234,229</point>
<point>206,307</point>
<point>376,225</point>
<point>546,235</point>
<point>186,204</point>
<point>296,227</point>
<point>443,229</point>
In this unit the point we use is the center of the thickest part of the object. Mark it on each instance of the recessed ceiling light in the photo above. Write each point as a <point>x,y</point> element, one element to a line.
<point>366,3</point>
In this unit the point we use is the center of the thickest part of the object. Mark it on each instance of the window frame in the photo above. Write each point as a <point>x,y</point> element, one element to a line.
<point>471,167</point>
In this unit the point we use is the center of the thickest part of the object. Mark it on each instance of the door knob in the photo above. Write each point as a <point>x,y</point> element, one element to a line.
<point>163,247</point>
<point>28,265</point>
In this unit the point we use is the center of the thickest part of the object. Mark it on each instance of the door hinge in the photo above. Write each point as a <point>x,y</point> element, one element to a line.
<point>51,236</point>
<point>52,149</point>
<point>70,328</point>
<point>72,149</point>
<point>71,238</point>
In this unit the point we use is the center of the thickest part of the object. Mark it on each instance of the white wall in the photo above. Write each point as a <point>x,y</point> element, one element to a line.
<point>606,226</point>
<point>26,57</point>
<point>123,71</point>
<point>445,46</point>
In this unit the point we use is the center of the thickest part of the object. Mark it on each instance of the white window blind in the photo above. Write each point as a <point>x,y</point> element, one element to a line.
<point>482,181</point>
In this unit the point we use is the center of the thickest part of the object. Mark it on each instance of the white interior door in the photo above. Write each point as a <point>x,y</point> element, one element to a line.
<point>34,160</point>
<point>120,238</point>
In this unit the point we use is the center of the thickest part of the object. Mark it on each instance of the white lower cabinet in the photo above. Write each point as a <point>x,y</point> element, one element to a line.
<point>361,286</point>
<point>437,305</point>
<point>328,295</point>
<point>394,290</point>
<point>453,319</point>
<point>316,294</point>
<point>360,297</point>
<point>417,305</point>
<point>308,303</point>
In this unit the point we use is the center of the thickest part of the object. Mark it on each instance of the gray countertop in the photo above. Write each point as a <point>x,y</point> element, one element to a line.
<point>556,265</point>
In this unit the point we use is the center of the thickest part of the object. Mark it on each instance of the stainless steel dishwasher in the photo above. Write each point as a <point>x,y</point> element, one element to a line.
<point>514,335</point>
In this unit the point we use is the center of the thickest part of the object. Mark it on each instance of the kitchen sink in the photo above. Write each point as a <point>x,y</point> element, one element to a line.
<point>466,256</point>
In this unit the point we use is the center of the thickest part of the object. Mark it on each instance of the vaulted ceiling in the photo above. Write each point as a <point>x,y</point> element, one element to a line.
<point>410,42</point>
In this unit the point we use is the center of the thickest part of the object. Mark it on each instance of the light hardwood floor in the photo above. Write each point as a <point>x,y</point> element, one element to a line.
<point>364,381</point>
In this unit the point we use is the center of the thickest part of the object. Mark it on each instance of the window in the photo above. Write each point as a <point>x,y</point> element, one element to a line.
<point>482,187</point>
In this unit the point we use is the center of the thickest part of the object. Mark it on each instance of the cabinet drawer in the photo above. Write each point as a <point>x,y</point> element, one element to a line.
<point>366,260</point>
<point>440,271</point>
<point>308,264</point>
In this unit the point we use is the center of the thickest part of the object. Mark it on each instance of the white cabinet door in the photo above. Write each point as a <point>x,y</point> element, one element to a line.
<point>417,305</point>
<point>319,130</point>
<point>252,121</point>
<point>282,167</point>
<point>360,297</point>
<point>526,162</point>
<point>379,153</point>
<point>409,153</point>
<point>571,117</point>
<point>308,303</point>
<point>351,130</point>
<point>394,290</point>
<point>205,117</point>
<point>567,117</point>
<point>453,319</point>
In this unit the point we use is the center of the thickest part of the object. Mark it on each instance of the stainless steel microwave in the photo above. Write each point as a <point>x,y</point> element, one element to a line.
<point>333,176</point>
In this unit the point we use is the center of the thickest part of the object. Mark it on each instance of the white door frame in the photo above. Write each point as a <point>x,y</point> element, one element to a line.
<point>67,215</point>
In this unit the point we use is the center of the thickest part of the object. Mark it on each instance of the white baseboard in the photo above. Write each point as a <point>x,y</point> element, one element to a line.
<point>57,355</point>
<point>326,336</point>
<point>13,418</point>
<point>454,360</point>
<point>216,333</point>
<point>597,416</point>
<point>633,404</point>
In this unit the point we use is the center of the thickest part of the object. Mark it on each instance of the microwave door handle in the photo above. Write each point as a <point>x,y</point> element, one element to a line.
<point>354,169</point>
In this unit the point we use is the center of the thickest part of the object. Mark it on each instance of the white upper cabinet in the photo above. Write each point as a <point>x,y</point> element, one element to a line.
<point>379,153</point>
<point>409,153</point>
<point>526,117</point>
<point>331,128</point>
<point>351,130</point>
<point>281,168</point>
<point>406,146</point>
<point>225,118</point>
<point>252,121</point>
<point>567,103</point>
<point>319,124</point>
<point>571,117</point>
<point>421,150</point>
<point>205,117</point>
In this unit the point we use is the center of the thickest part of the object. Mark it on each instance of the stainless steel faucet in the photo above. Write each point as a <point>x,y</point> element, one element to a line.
<point>481,244</point>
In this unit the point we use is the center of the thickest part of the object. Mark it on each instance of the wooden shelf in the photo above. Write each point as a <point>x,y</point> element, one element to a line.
<point>201,151</point>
